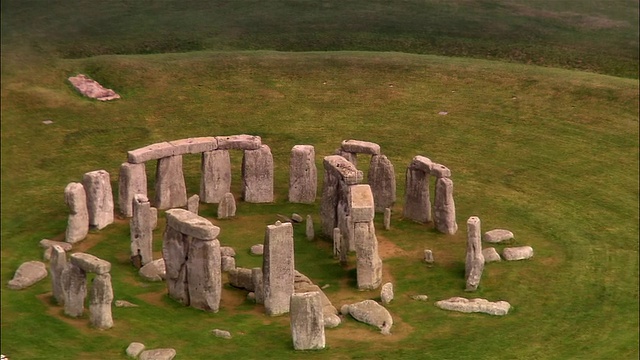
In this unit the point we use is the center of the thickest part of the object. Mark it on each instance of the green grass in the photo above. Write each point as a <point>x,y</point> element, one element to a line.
<point>551,154</point>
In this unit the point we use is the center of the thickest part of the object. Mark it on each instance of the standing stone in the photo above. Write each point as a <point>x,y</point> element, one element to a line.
<point>309,231</point>
<point>141,231</point>
<point>204,275</point>
<point>258,284</point>
<point>386,220</point>
<point>474,264</point>
<point>227,206</point>
<point>175,249</point>
<point>78,223</point>
<point>171,191</point>
<point>444,207</point>
<point>382,179</point>
<point>428,256</point>
<point>99,198</point>
<point>417,204</point>
<point>216,176</point>
<point>307,323</point>
<point>48,244</point>
<point>257,175</point>
<point>339,174</point>
<point>193,203</point>
<point>74,282</point>
<point>100,302</point>
<point>337,247</point>
<point>132,180</point>
<point>278,268</point>
<point>369,264</point>
<point>386,294</point>
<point>57,263</point>
<point>303,175</point>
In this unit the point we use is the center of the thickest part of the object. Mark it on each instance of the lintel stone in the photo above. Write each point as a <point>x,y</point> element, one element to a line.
<point>362,147</point>
<point>191,224</point>
<point>90,263</point>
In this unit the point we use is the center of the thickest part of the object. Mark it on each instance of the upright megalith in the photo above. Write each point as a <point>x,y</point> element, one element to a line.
<point>74,282</point>
<point>278,268</point>
<point>309,230</point>
<point>303,175</point>
<point>193,203</point>
<point>132,180</point>
<point>257,175</point>
<point>57,263</point>
<point>444,207</point>
<point>258,284</point>
<point>141,229</point>
<point>307,323</point>
<point>191,252</point>
<point>368,263</point>
<point>339,174</point>
<point>474,263</point>
<point>78,222</point>
<point>97,185</point>
<point>100,302</point>
<point>417,204</point>
<point>227,206</point>
<point>382,179</point>
<point>171,191</point>
<point>216,176</point>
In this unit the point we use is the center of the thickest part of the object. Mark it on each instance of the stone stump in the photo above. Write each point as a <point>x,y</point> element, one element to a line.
<point>257,175</point>
<point>171,191</point>
<point>141,229</point>
<point>278,268</point>
<point>97,185</point>
<point>78,222</point>
<point>227,206</point>
<point>303,178</point>
<point>216,176</point>
<point>474,264</point>
<point>132,180</point>
<point>382,179</point>
<point>307,323</point>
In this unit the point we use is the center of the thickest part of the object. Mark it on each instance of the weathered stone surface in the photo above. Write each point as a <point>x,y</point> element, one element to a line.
<point>154,218</point>
<point>227,251</point>
<point>444,207</point>
<point>158,354</point>
<point>386,220</point>
<point>175,250</point>
<point>193,203</point>
<point>132,180</point>
<point>141,230</point>
<point>91,88</point>
<point>361,203</point>
<point>239,142</point>
<point>421,163</point>
<point>307,323</point>
<point>74,282</point>
<point>48,245</point>
<point>361,147</point>
<point>303,175</point>
<point>100,302</point>
<point>258,284</point>
<point>204,275</point>
<point>296,218</point>
<point>386,294</point>
<point>428,256</point>
<point>497,236</point>
<point>27,274</point>
<point>221,333</point>
<point>328,203</point>
<point>369,264</point>
<point>490,255</point>
<point>517,253</point>
<point>134,349</point>
<point>337,246</point>
<point>278,268</point>
<point>154,270</point>
<point>216,176</point>
<point>309,230</point>
<point>228,263</point>
<point>382,179</point>
<point>191,224</point>
<point>417,203</point>
<point>151,152</point>
<point>372,313</point>
<point>78,222</point>
<point>345,170</point>
<point>257,175</point>
<point>90,263</point>
<point>56,266</point>
<point>125,304</point>
<point>171,191</point>
<point>420,297</point>
<point>440,171</point>
<point>227,207</point>
<point>474,262</point>
<point>257,249</point>
<point>302,284</point>
<point>350,156</point>
<point>194,145</point>
<point>474,305</point>
<point>241,278</point>
<point>97,185</point>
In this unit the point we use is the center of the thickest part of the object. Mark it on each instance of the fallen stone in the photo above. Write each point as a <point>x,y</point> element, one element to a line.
<point>125,304</point>
<point>372,313</point>
<point>134,349</point>
<point>497,236</point>
<point>90,263</point>
<point>158,354</point>
<point>296,218</point>
<point>257,249</point>
<point>241,278</point>
<point>221,333</point>
<point>228,263</point>
<point>27,274</point>
<point>331,321</point>
<point>154,270</point>
<point>251,296</point>
<point>227,251</point>
<point>344,309</point>
<point>420,297</point>
<point>490,255</point>
<point>91,88</point>
<point>474,305</point>
<point>517,253</point>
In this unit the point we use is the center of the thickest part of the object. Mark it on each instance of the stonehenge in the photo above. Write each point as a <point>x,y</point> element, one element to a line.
<point>141,231</point>
<point>474,305</point>
<point>132,180</point>
<point>368,262</point>
<point>257,175</point>
<point>307,323</point>
<point>28,273</point>
<point>278,268</point>
<point>474,263</point>
<point>78,221</point>
<point>97,186</point>
<point>303,176</point>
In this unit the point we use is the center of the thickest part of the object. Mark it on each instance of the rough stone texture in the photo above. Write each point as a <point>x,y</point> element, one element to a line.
<point>307,322</point>
<point>158,354</point>
<point>382,179</point>
<point>517,253</point>
<point>474,262</point>
<point>193,203</point>
<point>361,147</point>
<point>350,156</point>
<point>221,333</point>
<point>74,282</point>
<point>216,176</point>
<point>361,203</point>
<point>278,268</point>
<point>302,284</point>
<point>309,230</point>
<point>97,185</point>
<point>420,297</point>
<point>241,278</point>
<point>175,249</point>
<point>191,224</point>
<point>343,168</point>
<point>56,266</point>
<point>258,284</point>
<point>90,263</point>
<point>372,313</point>
<point>474,305</point>
<point>440,171</point>
<point>337,245</point>
<point>386,220</point>
<point>228,263</point>
<point>296,218</point>
<point>227,251</point>
<point>444,207</point>
<point>204,271</point>
<point>369,264</point>
<point>386,294</point>
<point>154,218</point>
<point>171,191</point>
<point>27,274</point>
<point>78,222</point>
<point>257,249</point>
<point>417,204</point>
<point>497,236</point>
<point>132,180</point>
<point>91,88</point>
<point>428,256</point>
<point>151,152</point>
<point>239,142</point>
<point>257,175</point>
<point>100,302</point>
<point>134,349</point>
<point>125,304</point>
<point>141,230</point>
<point>194,145</point>
<point>154,270</point>
<point>227,206</point>
<point>490,255</point>
<point>303,175</point>
<point>49,244</point>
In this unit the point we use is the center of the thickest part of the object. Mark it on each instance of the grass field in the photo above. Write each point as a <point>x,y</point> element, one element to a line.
<point>549,152</point>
